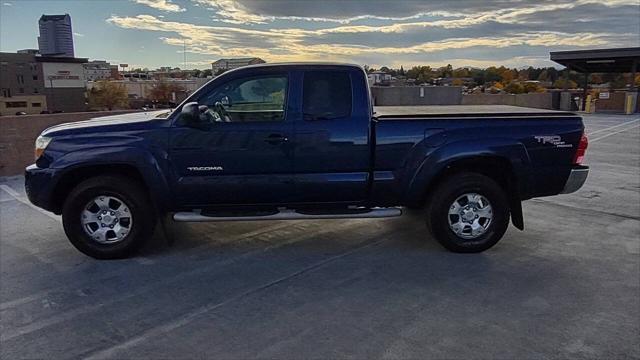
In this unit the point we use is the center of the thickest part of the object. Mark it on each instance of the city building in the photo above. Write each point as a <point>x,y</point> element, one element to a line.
<point>228,64</point>
<point>379,78</point>
<point>29,51</point>
<point>56,35</point>
<point>99,70</point>
<point>64,83</point>
<point>21,84</point>
<point>43,83</point>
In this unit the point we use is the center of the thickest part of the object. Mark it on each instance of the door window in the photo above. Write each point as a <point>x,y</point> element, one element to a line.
<point>326,95</point>
<point>260,98</point>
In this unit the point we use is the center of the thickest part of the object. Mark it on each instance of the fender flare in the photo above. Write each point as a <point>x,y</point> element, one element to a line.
<point>143,161</point>
<point>434,162</point>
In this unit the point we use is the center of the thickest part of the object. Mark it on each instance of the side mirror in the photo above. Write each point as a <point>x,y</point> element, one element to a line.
<point>193,115</point>
<point>190,114</point>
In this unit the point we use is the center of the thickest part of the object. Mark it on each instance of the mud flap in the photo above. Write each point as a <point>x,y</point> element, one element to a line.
<point>517,218</point>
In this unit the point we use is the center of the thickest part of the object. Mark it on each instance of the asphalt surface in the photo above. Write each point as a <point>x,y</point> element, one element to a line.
<point>567,287</point>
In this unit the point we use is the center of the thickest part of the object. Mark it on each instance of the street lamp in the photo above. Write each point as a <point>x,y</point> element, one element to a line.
<point>51,92</point>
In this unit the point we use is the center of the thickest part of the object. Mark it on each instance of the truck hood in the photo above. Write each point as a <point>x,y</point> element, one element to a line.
<point>119,122</point>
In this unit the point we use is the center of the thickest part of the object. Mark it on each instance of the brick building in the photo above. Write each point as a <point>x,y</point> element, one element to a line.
<point>43,83</point>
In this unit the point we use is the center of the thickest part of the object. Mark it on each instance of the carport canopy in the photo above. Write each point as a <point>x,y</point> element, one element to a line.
<point>620,60</point>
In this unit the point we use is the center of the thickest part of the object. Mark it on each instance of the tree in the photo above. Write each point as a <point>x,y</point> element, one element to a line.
<point>532,87</point>
<point>492,74</point>
<point>457,82</point>
<point>445,71</point>
<point>207,72</point>
<point>163,92</point>
<point>220,72</point>
<point>108,95</point>
<point>559,84</point>
<point>514,88</point>
<point>507,75</point>
<point>461,73</point>
<point>401,72</point>
<point>422,74</point>
<point>544,76</point>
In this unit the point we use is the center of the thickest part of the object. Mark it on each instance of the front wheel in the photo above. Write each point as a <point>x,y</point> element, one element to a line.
<point>468,213</point>
<point>108,217</point>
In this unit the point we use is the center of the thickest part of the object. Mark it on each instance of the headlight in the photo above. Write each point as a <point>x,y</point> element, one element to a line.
<point>41,143</point>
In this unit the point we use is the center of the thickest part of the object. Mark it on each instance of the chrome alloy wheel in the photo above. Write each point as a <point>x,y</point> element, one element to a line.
<point>470,215</point>
<point>106,219</point>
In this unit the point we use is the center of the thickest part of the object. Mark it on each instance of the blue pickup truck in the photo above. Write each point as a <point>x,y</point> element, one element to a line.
<point>303,141</point>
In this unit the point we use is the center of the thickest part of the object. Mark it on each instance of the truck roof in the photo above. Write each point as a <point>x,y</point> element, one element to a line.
<point>422,111</point>
<point>313,64</point>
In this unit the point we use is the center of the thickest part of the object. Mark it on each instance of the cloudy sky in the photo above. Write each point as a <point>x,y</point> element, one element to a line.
<point>152,33</point>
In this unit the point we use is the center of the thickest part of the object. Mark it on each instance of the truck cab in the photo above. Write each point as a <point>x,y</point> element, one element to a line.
<point>274,136</point>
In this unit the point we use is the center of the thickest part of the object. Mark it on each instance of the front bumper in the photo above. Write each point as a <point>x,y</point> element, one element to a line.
<point>39,184</point>
<point>576,179</point>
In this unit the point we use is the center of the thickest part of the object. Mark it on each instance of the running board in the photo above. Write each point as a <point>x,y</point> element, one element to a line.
<point>288,214</point>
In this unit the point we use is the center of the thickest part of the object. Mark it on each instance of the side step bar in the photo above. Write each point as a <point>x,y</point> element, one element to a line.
<point>288,214</point>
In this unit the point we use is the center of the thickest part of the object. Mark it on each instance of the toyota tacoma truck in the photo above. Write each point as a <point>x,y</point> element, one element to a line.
<point>303,141</point>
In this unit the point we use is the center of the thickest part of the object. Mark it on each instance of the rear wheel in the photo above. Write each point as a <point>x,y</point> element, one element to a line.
<point>108,217</point>
<point>468,213</point>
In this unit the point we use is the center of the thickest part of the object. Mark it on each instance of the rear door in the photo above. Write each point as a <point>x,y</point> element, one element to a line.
<point>242,154</point>
<point>332,137</point>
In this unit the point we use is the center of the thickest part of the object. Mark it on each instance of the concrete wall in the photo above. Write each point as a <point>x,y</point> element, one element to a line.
<point>18,134</point>
<point>615,102</point>
<point>452,95</point>
<point>537,100</point>
<point>416,95</point>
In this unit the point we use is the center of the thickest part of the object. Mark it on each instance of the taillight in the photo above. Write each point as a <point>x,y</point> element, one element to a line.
<point>582,149</point>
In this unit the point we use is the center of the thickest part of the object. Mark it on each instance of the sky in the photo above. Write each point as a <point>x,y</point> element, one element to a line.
<point>153,33</point>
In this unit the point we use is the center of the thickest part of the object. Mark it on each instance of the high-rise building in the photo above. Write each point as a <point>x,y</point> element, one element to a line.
<point>56,36</point>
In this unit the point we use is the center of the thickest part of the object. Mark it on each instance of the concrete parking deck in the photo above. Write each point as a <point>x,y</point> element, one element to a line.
<point>569,286</point>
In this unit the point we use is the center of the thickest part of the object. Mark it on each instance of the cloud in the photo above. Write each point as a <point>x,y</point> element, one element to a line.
<point>78,34</point>
<point>288,44</point>
<point>413,32</point>
<point>7,4</point>
<point>256,12</point>
<point>348,11</point>
<point>164,5</point>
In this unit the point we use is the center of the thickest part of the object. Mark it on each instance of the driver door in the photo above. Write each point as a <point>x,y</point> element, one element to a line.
<point>239,152</point>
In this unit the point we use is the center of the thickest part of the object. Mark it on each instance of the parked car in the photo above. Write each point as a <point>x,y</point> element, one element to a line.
<point>19,113</point>
<point>303,141</point>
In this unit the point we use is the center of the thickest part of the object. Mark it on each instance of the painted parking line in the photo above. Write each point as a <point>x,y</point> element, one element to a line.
<point>613,133</point>
<point>14,194</point>
<point>614,127</point>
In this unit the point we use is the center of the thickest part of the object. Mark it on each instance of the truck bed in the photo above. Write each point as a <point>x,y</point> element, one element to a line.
<point>456,111</point>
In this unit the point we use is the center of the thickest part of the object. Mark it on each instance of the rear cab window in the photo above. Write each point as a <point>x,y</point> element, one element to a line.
<point>326,95</point>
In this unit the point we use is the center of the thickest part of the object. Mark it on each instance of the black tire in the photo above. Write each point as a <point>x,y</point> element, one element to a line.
<point>451,188</point>
<point>134,197</point>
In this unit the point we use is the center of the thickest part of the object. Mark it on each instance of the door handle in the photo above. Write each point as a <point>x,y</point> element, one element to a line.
<point>275,139</point>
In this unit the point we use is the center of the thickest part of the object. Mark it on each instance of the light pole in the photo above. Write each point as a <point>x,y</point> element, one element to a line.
<point>51,92</point>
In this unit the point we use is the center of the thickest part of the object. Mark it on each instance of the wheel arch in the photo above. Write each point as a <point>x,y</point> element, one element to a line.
<point>71,178</point>
<point>496,167</point>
